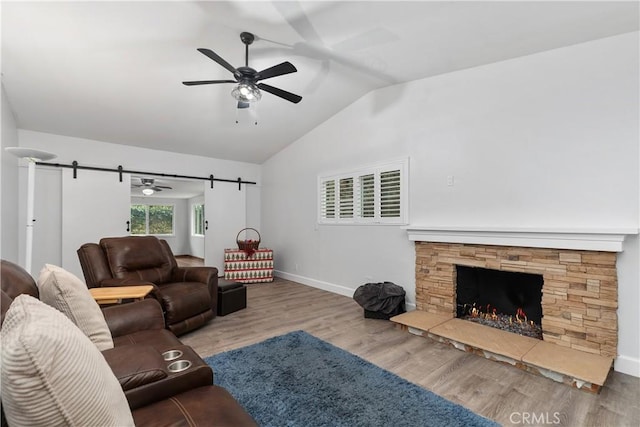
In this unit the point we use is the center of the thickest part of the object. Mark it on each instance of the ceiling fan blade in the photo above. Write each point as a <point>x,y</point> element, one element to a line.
<point>243,104</point>
<point>276,70</point>
<point>291,97</point>
<point>207,82</point>
<point>164,186</point>
<point>211,54</point>
<point>295,16</point>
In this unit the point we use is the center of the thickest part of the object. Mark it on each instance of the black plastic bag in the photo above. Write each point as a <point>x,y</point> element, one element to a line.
<point>380,300</point>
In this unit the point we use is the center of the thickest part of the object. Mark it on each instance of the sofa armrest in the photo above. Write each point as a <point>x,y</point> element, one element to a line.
<point>195,274</point>
<point>124,319</point>
<point>206,275</point>
<point>136,365</point>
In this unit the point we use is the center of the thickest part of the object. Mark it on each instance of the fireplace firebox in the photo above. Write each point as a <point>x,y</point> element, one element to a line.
<point>506,300</point>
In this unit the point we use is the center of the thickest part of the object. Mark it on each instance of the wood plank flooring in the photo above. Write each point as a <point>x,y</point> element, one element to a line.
<point>502,393</point>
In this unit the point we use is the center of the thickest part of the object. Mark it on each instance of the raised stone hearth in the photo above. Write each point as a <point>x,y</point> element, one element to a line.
<point>575,368</point>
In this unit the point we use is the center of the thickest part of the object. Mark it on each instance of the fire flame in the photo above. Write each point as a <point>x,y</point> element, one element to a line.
<point>492,314</point>
<point>521,316</point>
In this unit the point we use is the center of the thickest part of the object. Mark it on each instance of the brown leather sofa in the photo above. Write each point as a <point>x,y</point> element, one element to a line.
<point>155,395</point>
<point>188,295</point>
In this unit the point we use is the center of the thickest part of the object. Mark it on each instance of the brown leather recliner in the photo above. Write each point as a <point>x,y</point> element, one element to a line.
<point>155,396</point>
<point>188,295</point>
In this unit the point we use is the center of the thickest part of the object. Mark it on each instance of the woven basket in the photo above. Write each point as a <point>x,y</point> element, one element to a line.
<point>248,245</point>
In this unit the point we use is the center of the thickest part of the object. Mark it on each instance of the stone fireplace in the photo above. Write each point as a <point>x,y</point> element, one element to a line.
<point>573,281</point>
<point>579,292</point>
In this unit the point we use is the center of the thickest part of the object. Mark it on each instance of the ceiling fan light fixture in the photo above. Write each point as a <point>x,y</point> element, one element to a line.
<point>147,191</point>
<point>246,92</point>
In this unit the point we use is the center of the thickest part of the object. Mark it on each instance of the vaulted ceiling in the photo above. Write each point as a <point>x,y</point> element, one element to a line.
<point>112,71</point>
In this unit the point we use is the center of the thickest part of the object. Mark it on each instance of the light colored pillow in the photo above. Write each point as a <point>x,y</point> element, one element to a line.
<point>64,291</point>
<point>52,374</point>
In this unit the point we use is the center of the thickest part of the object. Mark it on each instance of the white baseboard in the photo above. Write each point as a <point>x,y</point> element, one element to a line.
<point>325,286</point>
<point>627,365</point>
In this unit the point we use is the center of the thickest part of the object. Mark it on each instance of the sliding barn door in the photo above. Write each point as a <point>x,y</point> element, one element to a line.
<point>94,205</point>
<point>225,209</point>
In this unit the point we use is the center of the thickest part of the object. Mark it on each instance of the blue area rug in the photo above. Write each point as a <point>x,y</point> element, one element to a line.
<point>299,380</point>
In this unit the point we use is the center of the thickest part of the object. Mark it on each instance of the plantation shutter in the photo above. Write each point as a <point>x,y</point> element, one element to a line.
<point>328,199</point>
<point>346,198</point>
<point>390,200</point>
<point>366,196</point>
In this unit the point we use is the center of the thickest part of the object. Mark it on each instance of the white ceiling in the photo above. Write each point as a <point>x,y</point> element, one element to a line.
<point>112,71</point>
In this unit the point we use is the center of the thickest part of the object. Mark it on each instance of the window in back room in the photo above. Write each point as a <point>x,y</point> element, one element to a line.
<point>152,219</point>
<point>197,219</point>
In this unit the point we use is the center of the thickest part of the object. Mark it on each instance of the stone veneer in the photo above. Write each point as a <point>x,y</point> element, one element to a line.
<point>580,291</point>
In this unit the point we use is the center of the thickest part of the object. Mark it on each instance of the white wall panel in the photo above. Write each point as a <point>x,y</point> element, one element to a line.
<point>225,210</point>
<point>94,205</point>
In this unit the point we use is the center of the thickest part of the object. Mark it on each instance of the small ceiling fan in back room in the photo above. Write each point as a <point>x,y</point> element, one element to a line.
<point>248,88</point>
<point>149,187</point>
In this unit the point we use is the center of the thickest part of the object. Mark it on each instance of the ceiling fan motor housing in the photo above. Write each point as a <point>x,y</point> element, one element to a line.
<point>247,38</point>
<point>245,74</point>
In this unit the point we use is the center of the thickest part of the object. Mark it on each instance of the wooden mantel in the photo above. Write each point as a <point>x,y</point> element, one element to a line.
<point>600,239</point>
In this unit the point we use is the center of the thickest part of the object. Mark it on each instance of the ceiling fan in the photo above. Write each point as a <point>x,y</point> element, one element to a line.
<point>148,186</point>
<point>248,88</point>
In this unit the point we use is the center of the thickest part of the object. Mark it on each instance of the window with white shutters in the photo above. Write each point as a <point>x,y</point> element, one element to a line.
<point>375,194</point>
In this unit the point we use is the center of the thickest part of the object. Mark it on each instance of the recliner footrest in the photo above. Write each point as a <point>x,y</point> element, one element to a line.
<point>232,296</point>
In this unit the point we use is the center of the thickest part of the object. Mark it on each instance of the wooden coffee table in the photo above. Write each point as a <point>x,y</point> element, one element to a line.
<point>115,295</point>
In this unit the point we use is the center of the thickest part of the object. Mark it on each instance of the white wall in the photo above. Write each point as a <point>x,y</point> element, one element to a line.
<point>9,249</point>
<point>107,155</point>
<point>547,140</point>
<point>179,242</point>
<point>628,360</point>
